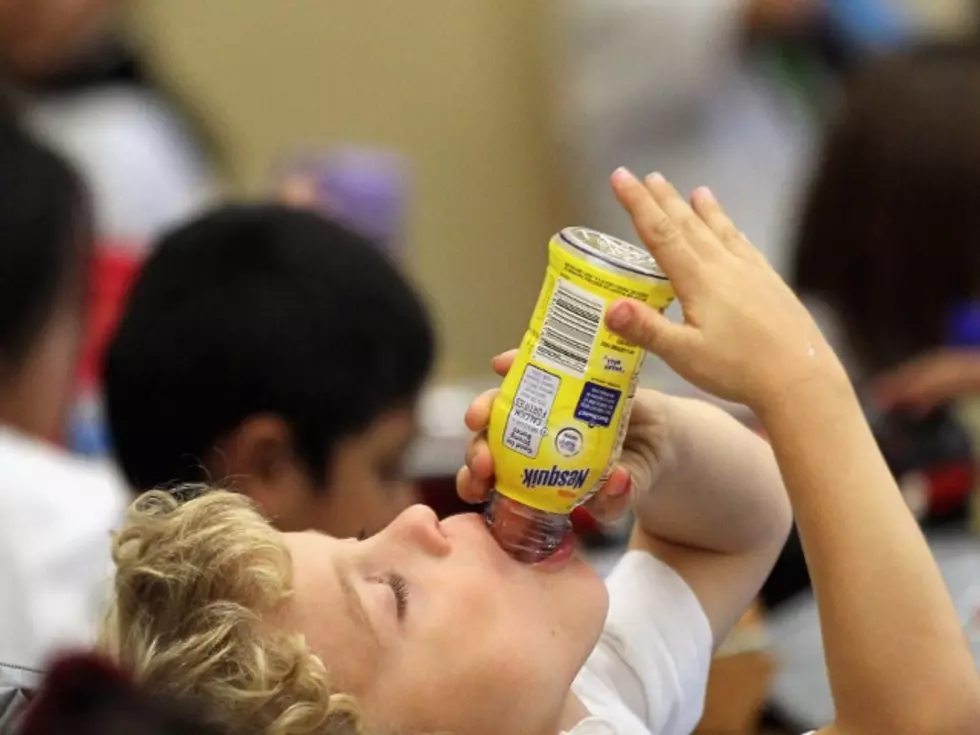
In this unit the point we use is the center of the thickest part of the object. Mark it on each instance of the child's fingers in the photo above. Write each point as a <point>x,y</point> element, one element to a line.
<point>502,362</point>
<point>613,499</point>
<point>696,233</point>
<point>465,486</point>
<point>478,414</point>
<point>475,480</point>
<point>479,459</point>
<point>655,228</point>
<point>710,211</point>
<point>648,328</point>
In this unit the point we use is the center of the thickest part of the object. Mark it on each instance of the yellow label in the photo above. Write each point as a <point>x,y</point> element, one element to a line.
<point>559,421</point>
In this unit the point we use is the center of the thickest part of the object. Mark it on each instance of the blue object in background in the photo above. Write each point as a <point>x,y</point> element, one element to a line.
<point>963,326</point>
<point>869,24</point>
<point>88,431</point>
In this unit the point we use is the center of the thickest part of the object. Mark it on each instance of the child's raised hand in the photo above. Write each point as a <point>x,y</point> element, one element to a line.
<point>745,335</point>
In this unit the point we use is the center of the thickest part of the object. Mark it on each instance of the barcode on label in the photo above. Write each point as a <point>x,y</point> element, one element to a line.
<point>570,328</point>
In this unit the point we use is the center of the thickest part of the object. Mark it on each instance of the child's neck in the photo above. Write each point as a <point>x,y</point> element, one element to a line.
<point>19,411</point>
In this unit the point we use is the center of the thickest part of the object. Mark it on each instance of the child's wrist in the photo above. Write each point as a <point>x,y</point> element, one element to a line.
<point>816,370</point>
<point>821,387</point>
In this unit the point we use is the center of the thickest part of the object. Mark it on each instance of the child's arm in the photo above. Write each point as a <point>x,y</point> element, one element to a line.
<point>896,656</point>
<point>929,380</point>
<point>714,508</point>
<point>707,492</point>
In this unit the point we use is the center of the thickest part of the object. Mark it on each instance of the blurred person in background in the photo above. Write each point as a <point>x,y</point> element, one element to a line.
<point>888,262</point>
<point>55,511</point>
<point>273,351</point>
<point>888,277</point>
<point>720,91</point>
<point>86,91</point>
<point>667,86</point>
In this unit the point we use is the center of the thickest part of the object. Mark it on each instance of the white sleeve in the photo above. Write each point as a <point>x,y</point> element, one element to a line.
<point>55,549</point>
<point>144,171</point>
<point>655,650</point>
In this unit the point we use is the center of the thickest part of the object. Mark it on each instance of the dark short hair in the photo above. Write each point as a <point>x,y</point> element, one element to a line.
<point>45,238</point>
<point>260,309</point>
<point>889,237</point>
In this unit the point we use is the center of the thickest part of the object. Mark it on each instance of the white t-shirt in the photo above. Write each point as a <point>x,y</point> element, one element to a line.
<point>649,672</point>
<point>56,514</point>
<point>647,675</point>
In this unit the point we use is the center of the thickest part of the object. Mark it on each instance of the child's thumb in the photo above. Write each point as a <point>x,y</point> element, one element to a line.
<point>646,327</point>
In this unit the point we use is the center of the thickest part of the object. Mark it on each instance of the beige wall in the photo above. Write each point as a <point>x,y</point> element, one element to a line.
<point>454,84</point>
<point>955,17</point>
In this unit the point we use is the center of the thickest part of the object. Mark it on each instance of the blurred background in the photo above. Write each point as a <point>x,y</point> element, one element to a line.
<point>457,89</point>
<point>507,117</point>
<point>462,135</point>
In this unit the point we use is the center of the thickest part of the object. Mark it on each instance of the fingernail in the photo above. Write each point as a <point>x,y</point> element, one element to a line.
<point>703,192</point>
<point>656,178</point>
<point>621,489</point>
<point>620,315</point>
<point>622,175</point>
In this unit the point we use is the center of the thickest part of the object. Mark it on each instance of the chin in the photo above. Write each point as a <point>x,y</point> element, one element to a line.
<point>579,568</point>
<point>588,580</point>
<point>578,594</point>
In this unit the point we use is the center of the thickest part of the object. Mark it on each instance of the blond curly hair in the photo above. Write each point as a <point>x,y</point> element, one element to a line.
<point>197,589</point>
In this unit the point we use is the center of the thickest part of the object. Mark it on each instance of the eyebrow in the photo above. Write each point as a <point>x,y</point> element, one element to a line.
<point>352,599</point>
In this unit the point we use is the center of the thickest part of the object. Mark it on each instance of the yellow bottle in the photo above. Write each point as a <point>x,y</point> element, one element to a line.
<point>559,423</point>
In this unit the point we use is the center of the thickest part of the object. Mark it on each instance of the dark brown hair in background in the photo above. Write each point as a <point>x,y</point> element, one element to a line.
<point>890,235</point>
<point>86,695</point>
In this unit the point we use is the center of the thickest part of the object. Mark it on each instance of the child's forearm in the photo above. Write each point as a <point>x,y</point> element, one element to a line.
<point>896,654</point>
<point>717,487</point>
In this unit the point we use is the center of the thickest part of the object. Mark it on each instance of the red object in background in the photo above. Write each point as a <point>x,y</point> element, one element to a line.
<point>439,493</point>
<point>583,523</point>
<point>950,486</point>
<point>114,268</point>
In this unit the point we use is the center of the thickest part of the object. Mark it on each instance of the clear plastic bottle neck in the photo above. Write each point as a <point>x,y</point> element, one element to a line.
<point>527,534</point>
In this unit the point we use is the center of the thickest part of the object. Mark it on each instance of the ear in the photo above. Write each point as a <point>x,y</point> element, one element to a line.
<point>258,460</point>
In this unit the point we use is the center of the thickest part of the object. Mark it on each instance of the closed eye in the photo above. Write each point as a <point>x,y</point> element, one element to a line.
<point>399,588</point>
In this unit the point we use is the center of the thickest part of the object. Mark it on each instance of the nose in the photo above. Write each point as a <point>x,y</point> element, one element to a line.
<point>419,526</point>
